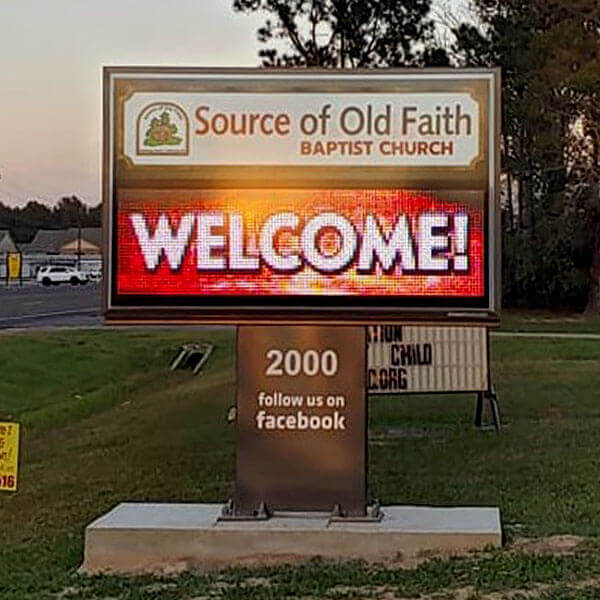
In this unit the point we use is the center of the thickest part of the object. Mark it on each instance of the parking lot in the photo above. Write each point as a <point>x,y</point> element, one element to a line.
<point>33,305</point>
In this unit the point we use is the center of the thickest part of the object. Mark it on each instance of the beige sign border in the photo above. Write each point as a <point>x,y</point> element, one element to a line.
<point>194,171</point>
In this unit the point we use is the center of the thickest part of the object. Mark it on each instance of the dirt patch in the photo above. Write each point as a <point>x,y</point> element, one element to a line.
<point>470,593</point>
<point>157,587</point>
<point>553,415</point>
<point>253,582</point>
<point>68,592</point>
<point>381,436</point>
<point>381,592</point>
<point>556,544</point>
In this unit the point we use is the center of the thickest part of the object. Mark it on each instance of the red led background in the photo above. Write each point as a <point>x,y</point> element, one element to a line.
<point>134,278</point>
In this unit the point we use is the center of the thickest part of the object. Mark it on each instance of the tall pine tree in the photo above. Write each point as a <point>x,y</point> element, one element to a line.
<point>549,51</point>
<point>345,33</point>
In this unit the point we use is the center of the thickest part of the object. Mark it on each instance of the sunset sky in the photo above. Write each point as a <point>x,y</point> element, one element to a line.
<point>51,58</point>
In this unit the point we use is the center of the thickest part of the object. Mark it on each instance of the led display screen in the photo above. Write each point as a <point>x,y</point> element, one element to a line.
<point>269,243</point>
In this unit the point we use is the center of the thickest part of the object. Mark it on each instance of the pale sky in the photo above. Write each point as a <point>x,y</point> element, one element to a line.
<point>51,58</point>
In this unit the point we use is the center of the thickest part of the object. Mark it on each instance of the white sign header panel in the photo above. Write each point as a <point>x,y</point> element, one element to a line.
<point>327,129</point>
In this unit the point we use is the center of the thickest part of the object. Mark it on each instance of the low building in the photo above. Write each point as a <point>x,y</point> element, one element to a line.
<point>69,247</point>
<point>6,242</point>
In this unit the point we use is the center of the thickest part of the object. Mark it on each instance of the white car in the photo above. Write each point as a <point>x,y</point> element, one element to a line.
<point>53,275</point>
<point>94,275</point>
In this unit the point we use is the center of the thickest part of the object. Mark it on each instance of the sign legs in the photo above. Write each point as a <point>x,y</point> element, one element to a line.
<point>489,399</point>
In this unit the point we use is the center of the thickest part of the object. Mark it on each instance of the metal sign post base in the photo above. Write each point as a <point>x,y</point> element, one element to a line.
<point>229,513</point>
<point>374,515</point>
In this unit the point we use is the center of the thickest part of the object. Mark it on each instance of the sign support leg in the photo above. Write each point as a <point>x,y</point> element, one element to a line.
<point>488,397</point>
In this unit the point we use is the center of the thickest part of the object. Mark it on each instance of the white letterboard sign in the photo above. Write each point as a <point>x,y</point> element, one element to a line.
<point>424,359</point>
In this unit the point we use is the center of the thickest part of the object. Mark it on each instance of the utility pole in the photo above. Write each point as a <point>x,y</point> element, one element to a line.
<point>78,233</point>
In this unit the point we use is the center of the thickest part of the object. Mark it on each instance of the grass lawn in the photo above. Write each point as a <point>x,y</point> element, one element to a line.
<point>104,421</point>
<point>546,321</point>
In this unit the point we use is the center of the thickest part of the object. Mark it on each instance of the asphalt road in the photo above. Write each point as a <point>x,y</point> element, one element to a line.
<point>34,305</point>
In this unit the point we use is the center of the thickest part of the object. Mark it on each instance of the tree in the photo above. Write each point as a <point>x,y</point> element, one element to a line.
<point>549,53</point>
<point>69,212</point>
<point>345,33</point>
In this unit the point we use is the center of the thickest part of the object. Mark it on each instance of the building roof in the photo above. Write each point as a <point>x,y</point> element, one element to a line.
<point>6,242</point>
<point>52,241</point>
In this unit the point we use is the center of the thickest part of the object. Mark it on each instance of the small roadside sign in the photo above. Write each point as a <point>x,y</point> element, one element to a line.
<point>14,265</point>
<point>9,456</point>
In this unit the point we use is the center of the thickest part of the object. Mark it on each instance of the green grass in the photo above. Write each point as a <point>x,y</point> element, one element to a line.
<point>105,421</point>
<point>545,457</point>
<point>546,321</point>
<point>60,377</point>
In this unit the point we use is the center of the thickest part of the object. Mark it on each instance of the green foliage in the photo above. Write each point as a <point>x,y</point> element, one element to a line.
<point>549,51</point>
<point>70,211</point>
<point>548,270</point>
<point>345,33</point>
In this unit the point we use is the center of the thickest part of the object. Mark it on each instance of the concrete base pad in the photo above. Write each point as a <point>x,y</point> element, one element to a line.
<point>175,537</point>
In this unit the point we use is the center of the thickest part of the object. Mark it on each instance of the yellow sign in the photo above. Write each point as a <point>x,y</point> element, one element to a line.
<point>9,456</point>
<point>14,265</point>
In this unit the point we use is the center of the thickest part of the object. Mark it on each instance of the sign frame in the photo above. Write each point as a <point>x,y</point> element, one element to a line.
<point>335,309</point>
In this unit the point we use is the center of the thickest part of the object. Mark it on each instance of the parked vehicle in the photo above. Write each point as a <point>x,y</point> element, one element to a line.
<point>95,275</point>
<point>53,275</point>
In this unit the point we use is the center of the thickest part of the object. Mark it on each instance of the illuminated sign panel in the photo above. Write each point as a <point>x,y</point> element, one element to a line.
<point>280,195</point>
<point>388,243</point>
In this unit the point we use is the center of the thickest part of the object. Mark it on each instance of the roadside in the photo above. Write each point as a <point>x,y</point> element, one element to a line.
<point>39,306</point>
